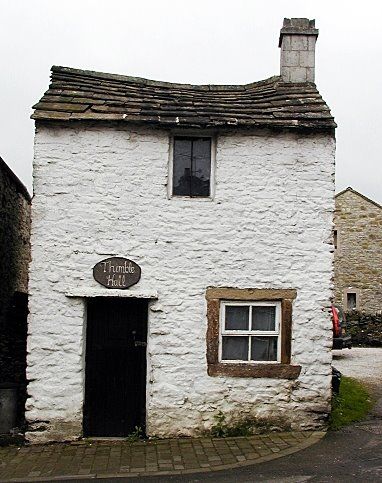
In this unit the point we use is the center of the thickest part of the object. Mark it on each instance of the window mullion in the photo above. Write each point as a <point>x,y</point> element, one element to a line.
<point>249,329</point>
<point>191,164</point>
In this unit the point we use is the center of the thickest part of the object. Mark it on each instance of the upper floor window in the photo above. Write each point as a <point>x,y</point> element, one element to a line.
<point>191,170</point>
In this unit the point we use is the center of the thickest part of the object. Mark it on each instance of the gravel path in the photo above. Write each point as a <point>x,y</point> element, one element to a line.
<point>361,363</point>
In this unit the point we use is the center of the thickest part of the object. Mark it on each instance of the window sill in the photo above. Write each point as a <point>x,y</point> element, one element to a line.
<point>273,371</point>
<point>202,199</point>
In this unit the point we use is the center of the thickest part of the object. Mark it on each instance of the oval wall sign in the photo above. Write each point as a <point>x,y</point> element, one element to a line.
<point>117,272</point>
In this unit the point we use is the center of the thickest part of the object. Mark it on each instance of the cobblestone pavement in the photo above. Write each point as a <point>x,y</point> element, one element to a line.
<point>92,459</point>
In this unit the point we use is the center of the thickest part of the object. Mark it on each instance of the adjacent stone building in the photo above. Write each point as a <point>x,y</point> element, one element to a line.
<point>14,257</point>
<point>358,252</point>
<point>182,252</point>
<point>14,235</point>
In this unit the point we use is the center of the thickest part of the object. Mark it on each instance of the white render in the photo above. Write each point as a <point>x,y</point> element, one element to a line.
<point>102,191</point>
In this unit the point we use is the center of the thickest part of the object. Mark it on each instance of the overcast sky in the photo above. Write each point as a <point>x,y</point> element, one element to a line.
<point>198,42</point>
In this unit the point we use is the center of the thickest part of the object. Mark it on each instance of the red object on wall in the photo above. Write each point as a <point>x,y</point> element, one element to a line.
<point>336,322</point>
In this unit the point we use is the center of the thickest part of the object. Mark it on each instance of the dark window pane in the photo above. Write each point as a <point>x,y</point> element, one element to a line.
<point>263,317</point>
<point>264,349</point>
<point>236,317</point>
<point>182,167</point>
<point>201,167</point>
<point>235,348</point>
<point>351,300</point>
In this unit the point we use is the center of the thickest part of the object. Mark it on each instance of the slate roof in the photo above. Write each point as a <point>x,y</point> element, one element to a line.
<point>86,95</point>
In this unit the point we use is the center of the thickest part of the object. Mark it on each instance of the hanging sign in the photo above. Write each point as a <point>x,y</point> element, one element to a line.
<point>117,272</point>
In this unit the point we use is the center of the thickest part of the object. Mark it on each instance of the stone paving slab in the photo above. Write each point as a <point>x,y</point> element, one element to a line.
<point>120,458</point>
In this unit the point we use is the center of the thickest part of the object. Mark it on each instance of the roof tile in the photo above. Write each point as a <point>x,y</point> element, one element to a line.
<point>87,95</point>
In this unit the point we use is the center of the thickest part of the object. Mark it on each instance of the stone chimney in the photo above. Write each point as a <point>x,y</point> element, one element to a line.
<point>297,41</point>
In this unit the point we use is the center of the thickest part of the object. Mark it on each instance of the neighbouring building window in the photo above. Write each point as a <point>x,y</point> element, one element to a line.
<point>191,168</point>
<point>351,300</point>
<point>335,239</point>
<point>250,332</point>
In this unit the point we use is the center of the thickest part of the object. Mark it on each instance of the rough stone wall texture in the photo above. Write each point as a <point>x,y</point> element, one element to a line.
<point>14,260</point>
<point>358,258</point>
<point>297,59</point>
<point>365,329</point>
<point>14,236</point>
<point>103,191</point>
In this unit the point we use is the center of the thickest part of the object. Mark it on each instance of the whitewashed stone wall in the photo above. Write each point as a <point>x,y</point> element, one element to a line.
<point>102,191</point>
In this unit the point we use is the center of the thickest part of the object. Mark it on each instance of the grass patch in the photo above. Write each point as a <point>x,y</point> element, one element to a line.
<point>222,430</point>
<point>351,404</point>
<point>245,426</point>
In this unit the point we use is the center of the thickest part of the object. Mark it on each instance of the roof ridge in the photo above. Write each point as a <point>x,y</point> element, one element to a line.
<point>142,80</point>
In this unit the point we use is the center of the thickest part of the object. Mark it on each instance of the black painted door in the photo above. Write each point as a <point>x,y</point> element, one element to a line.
<point>115,366</point>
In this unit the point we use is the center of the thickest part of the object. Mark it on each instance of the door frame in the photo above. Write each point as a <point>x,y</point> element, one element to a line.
<point>150,301</point>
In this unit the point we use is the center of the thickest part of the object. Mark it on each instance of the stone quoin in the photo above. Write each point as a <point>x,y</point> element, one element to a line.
<point>229,215</point>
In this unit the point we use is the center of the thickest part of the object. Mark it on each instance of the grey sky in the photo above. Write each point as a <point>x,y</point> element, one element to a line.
<point>198,41</point>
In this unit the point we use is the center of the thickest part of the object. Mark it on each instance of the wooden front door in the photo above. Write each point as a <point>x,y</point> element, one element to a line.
<point>115,366</point>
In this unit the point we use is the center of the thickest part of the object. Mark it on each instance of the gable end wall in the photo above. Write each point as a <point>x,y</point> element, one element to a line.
<point>358,259</point>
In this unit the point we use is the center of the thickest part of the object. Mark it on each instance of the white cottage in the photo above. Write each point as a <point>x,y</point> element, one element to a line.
<point>182,252</point>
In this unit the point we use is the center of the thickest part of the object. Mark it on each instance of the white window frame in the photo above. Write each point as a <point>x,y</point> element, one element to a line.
<point>171,167</point>
<point>249,333</point>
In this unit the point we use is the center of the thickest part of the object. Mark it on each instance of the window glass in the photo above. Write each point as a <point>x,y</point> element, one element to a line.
<point>201,167</point>
<point>236,317</point>
<point>264,348</point>
<point>263,317</point>
<point>182,167</point>
<point>235,348</point>
<point>192,167</point>
<point>256,329</point>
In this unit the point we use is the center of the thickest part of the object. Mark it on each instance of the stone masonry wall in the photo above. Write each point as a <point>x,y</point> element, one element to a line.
<point>102,191</point>
<point>358,258</point>
<point>14,260</point>
<point>14,235</point>
<point>297,60</point>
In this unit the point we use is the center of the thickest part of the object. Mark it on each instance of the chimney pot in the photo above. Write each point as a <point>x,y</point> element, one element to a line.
<point>298,42</point>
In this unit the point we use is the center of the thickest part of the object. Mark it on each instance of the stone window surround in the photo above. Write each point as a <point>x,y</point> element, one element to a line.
<point>191,134</point>
<point>282,370</point>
